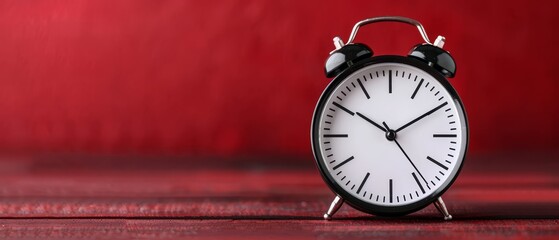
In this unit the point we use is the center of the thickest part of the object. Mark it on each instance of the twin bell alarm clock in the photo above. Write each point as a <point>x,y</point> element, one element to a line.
<point>389,133</point>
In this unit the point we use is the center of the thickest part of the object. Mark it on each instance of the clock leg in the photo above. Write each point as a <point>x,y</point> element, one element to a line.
<point>439,204</point>
<point>334,206</point>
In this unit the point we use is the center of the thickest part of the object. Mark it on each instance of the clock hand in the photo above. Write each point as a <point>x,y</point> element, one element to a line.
<point>405,154</point>
<point>371,121</point>
<point>421,175</point>
<point>422,116</point>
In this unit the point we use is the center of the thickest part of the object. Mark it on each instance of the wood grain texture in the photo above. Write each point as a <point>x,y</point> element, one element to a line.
<point>166,199</point>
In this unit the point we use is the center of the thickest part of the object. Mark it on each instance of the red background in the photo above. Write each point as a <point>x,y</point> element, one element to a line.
<point>241,78</point>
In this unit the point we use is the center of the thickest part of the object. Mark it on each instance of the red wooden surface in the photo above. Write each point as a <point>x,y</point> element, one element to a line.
<point>238,77</point>
<point>163,198</point>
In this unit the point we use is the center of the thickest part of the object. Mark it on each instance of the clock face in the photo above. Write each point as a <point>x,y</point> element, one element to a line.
<point>390,136</point>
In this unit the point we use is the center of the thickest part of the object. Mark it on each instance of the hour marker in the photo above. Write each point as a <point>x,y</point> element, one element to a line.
<point>418,183</point>
<point>444,135</point>
<point>389,84</point>
<point>417,89</point>
<point>343,108</point>
<point>437,162</point>
<point>363,88</point>
<point>335,135</point>
<point>342,163</point>
<point>363,183</point>
<point>390,189</point>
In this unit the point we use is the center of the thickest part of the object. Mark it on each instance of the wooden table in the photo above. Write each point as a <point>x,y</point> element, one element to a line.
<point>48,196</point>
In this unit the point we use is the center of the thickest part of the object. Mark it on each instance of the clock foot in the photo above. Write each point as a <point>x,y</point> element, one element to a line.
<point>439,204</point>
<point>334,206</point>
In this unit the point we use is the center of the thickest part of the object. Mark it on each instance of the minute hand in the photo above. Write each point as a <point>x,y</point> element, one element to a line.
<point>422,116</point>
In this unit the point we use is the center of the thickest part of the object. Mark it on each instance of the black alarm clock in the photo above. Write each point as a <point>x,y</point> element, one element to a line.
<point>389,133</point>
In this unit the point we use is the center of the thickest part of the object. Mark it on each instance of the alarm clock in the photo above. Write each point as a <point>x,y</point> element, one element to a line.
<point>389,133</point>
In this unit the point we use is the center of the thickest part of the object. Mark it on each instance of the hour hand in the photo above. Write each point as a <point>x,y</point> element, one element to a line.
<point>371,121</point>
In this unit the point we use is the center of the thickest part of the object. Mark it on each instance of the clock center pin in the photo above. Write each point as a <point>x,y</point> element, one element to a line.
<point>390,135</point>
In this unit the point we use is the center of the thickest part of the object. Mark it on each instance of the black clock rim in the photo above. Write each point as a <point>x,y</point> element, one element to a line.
<point>350,199</point>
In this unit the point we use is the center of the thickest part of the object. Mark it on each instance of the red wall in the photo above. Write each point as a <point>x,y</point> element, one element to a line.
<point>237,78</point>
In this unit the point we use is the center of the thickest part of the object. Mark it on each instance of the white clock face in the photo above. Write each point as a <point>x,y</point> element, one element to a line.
<point>390,134</point>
